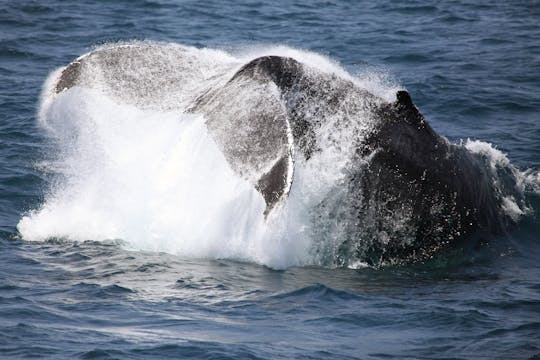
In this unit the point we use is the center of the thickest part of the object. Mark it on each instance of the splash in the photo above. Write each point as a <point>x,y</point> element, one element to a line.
<point>511,183</point>
<point>133,163</point>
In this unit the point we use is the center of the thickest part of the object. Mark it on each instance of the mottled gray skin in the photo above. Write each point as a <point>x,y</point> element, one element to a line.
<point>446,190</point>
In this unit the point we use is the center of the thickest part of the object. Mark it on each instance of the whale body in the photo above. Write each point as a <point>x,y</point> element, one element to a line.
<point>405,192</point>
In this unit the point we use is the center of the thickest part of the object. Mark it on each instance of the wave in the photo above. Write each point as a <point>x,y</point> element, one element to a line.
<point>132,162</point>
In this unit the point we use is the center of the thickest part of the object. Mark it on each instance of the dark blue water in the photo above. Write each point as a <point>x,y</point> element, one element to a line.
<point>472,68</point>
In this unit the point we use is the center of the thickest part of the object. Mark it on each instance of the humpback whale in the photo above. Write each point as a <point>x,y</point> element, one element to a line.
<point>405,192</point>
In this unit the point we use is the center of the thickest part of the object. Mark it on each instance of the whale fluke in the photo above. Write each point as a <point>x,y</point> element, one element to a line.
<point>260,146</point>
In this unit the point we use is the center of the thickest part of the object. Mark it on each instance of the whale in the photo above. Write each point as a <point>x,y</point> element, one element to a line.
<point>406,192</point>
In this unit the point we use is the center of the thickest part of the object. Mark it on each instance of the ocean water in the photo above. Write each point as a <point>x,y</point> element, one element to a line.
<point>103,256</point>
